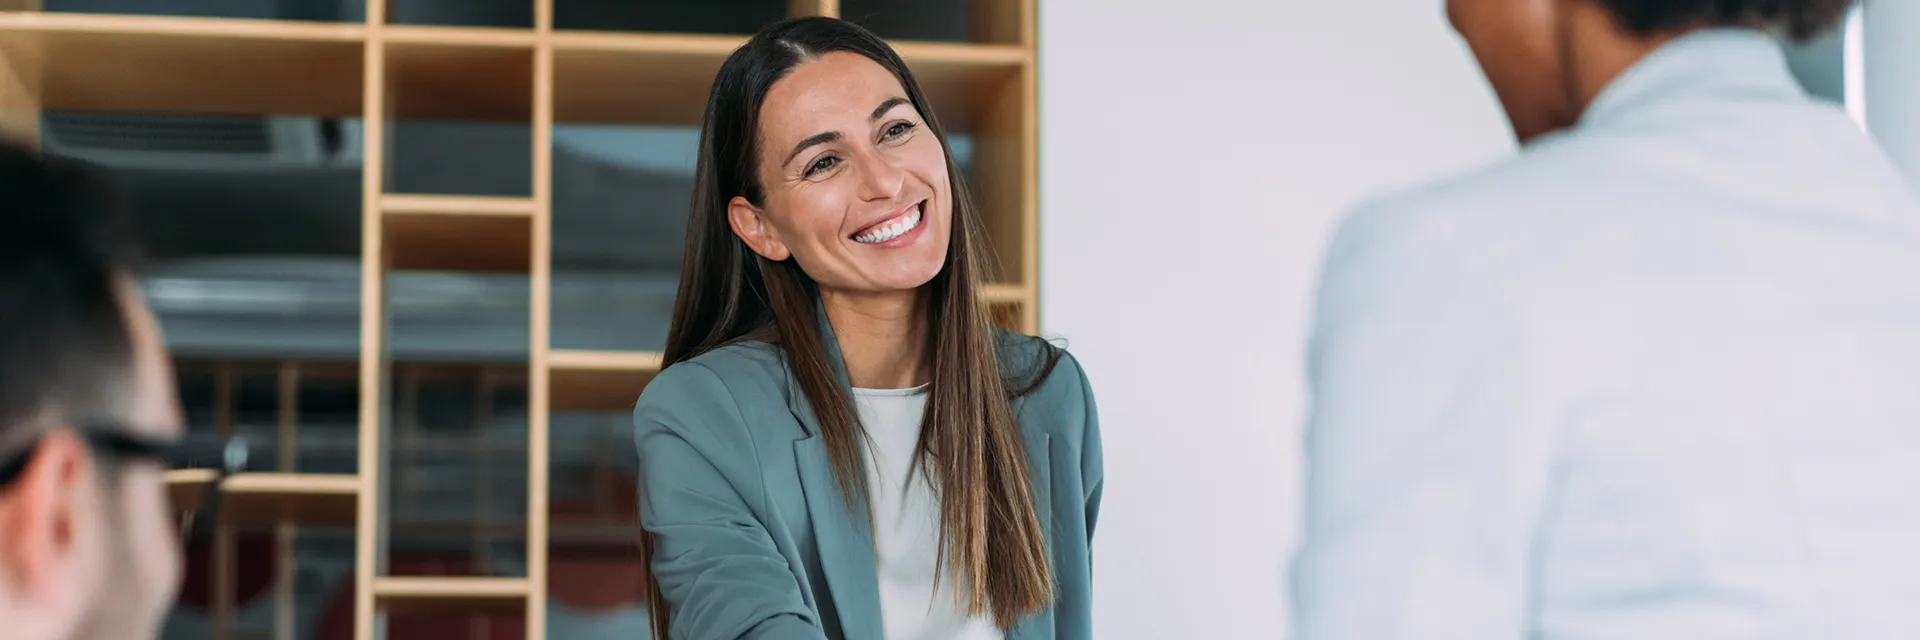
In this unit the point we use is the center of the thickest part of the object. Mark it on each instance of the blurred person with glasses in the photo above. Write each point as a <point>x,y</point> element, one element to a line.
<point>88,413</point>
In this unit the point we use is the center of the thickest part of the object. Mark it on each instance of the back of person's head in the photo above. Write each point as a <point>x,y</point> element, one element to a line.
<point>87,546</point>
<point>1798,19</point>
<point>1549,59</point>
<point>65,248</point>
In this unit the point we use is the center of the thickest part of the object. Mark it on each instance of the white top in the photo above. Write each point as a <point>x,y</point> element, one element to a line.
<point>906,525</point>
<point>1655,378</point>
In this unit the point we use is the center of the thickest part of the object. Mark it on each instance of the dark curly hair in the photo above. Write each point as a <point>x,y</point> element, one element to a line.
<point>1799,19</point>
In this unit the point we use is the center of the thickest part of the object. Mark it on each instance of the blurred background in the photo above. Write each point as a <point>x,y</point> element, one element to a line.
<point>423,254</point>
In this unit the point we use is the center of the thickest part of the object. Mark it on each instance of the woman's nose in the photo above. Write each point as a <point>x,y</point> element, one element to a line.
<point>879,179</point>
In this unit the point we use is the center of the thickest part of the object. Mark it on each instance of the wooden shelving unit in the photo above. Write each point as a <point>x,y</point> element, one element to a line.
<point>379,73</point>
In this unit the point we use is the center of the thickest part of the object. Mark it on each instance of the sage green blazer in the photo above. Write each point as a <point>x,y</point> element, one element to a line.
<point>752,536</point>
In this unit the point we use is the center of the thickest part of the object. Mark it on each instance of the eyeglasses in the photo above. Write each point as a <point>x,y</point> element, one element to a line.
<point>225,456</point>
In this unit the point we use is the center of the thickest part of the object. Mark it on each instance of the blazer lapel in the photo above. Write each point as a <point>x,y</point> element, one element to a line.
<point>842,535</point>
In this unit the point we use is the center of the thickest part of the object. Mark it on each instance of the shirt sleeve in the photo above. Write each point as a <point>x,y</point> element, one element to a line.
<point>717,566</point>
<point>1428,448</point>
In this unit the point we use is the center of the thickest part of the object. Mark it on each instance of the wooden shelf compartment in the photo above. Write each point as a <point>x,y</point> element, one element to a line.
<point>450,594</point>
<point>663,79</point>
<point>1010,307</point>
<point>271,498</point>
<point>503,14</point>
<point>598,380</point>
<point>459,73</point>
<point>710,16</point>
<point>1003,184</point>
<point>85,62</point>
<point>985,21</point>
<point>457,233</point>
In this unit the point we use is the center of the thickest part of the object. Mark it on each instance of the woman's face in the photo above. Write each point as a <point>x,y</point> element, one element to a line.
<point>855,185</point>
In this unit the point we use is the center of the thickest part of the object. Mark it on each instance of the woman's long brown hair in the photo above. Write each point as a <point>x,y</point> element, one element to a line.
<point>970,449</point>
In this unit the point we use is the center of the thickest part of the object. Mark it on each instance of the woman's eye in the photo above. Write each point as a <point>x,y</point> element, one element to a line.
<point>823,164</point>
<point>897,129</point>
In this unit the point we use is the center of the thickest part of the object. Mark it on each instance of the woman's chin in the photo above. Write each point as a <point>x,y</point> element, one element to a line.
<point>882,283</point>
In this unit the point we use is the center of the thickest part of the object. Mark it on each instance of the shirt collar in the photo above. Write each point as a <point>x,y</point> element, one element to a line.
<point>1721,63</point>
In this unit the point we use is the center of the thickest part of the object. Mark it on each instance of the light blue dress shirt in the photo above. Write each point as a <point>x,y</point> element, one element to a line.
<point>1656,377</point>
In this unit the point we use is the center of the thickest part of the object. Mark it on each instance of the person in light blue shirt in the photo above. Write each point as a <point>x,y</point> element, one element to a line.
<point>1658,376</point>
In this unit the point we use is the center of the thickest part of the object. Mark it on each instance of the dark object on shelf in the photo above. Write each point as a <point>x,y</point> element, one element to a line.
<point>712,16</point>
<point>313,10</point>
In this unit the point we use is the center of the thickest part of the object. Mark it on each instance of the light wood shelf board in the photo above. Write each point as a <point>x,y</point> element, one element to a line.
<point>663,79</point>
<point>270,498</point>
<point>998,293</point>
<point>984,55</point>
<point>430,205</point>
<point>458,36</point>
<point>179,26</point>
<point>575,359</point>
<point>829,8</point>
<point>89,62</point>
<point>441,242</point>
<point>654,43</point>
<point>450,594</point>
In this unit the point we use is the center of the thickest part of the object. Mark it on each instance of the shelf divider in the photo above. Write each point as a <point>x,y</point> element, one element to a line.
<point>370,539</point>
<point>271,498</point>
<point>540,324</point>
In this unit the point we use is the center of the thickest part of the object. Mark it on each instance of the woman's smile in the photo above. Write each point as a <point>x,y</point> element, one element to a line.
<point>896,230</point>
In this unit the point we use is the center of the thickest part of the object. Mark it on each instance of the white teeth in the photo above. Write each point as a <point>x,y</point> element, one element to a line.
<point>891,230</point>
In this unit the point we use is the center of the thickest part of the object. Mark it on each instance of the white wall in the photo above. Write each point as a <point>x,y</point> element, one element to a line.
<point>1891,98</point>
<point>1194,157</point>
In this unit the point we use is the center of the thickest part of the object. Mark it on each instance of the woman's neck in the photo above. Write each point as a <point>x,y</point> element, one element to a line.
<point>883,337</point>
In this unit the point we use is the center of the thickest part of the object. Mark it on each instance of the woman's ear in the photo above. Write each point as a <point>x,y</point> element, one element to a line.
<point>753,227</point>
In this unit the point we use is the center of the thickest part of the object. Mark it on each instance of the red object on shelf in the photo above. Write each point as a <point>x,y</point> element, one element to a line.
<point>255,563</point>
<point>599,577</point>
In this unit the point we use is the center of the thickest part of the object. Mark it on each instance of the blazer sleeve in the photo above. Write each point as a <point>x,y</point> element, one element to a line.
<point>1093,475</point>
<point>1427,447</point>
<point>717,566</point>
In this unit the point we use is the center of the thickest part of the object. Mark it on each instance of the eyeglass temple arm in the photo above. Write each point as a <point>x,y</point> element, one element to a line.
<point>233,459</point>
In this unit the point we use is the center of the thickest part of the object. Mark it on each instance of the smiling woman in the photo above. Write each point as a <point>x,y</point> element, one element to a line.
<point>841,445</point>
<point>852,177</point>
